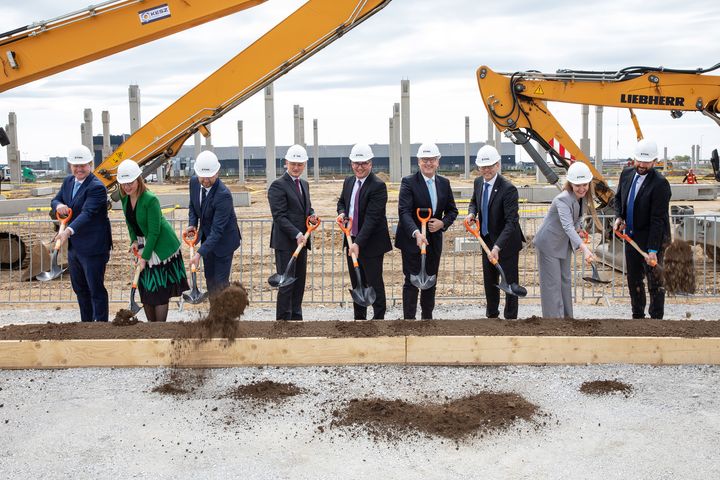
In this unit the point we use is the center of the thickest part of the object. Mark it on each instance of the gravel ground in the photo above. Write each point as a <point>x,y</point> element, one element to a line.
<point>102,423</point>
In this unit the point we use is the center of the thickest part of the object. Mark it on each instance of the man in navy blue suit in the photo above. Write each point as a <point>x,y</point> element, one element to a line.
<point>212,213</point>
<point>88,234</point>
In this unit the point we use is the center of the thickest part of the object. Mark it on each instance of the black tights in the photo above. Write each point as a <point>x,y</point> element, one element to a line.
<point>156,313</point>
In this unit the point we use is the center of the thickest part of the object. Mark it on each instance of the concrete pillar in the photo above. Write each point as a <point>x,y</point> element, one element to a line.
<point>665,154</point>
<point>692,156</point>
<point>87,130</point>
<point>396,155</point>
<point>585,140</point>
<point>599,138</point>
<point>490,134</point>
<point>316,152</point>
<point>208,139</point>
<point>391,138</point>
<point>301,136</point>
<point>13,152</point>
<point>134,96</point>
<point>467,148</point>
<point>241,153</point>
<point>296,124</point>
<point>405,114</point>
<point>269,135</point>
<point>106,148</point>
<point>498,142</point>
<point>198,143</point>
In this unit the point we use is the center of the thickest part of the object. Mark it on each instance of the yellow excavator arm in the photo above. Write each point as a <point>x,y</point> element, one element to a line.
<point>516,104</point>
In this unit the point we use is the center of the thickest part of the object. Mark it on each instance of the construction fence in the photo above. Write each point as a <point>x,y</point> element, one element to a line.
<point>328,281</point>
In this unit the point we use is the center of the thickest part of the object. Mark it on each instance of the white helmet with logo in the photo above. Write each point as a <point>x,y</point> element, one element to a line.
<point>206,164</point>
<point>487,155</point>
<point>579,173</point>
<point>128,171</point>
<point>80,155</point>
<point>361,152</point>
<point>297,154</point>
<point>428,150</point>
<point>646,150</point>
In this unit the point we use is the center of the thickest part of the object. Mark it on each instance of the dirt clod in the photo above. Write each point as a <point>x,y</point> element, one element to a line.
<point>124,318</point>
<point>455,419</point>
<point>265,391</point>
<point>678,274</point>
<point>605,387</point>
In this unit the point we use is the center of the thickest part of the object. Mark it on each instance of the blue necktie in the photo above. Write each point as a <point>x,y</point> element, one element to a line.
<point>433,195</point>
<point>631,207</point>
<point>485,198</point>
<point>76,187</point>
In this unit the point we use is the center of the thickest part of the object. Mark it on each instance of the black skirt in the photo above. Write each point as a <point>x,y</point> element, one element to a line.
<point>160,282</point>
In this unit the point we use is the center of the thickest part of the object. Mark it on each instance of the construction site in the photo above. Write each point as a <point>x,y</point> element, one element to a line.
<point>222,389</point>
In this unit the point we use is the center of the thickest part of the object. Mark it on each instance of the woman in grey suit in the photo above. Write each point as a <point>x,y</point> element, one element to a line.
<point>557,238</point>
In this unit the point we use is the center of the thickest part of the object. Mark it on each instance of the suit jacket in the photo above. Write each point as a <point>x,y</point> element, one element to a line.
<point>559,228</point>
<point>218,228</point>
<point>414,194</point>
<point>289,211</point>
<point>651,217</point>
<point>91,226</point>
<point>503,219</point>
<point>159,235</point>
<point>373,237</point>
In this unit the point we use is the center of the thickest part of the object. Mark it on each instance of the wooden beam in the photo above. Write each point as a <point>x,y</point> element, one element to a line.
<point>437,350</point>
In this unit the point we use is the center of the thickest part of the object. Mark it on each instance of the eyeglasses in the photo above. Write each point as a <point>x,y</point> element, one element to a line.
<point>360,164</point>
<point>429,160</point>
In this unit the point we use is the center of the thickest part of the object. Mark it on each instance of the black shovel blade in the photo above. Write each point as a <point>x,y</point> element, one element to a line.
<point>134,307</point>
<point>194,295</point>
<point>595,278</point>
<point>510,289</point>
<point>423,281</point>
<point>363,296</point>
<point>54,272</point>
<point>277,280</point>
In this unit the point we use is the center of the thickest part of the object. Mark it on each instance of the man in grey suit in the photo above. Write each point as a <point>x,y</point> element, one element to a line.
<point>289,198</point>
<point>556,240</point>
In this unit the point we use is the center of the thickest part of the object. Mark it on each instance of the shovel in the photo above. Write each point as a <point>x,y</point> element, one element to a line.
<point>194,295</point>
<point>595,277</point>
<point>512,289</point>
<point>629,240</point>
<point>134,307</point>
<point>55,270</point>
<point>364,296</point>
<point>278,280</point>
<point>422,280</point>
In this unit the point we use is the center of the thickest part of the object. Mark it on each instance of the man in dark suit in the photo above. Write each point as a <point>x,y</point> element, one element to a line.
<point>364,198</point>
<point>642,204</point>
<point>289,198</point>
<point>495,203</point>
<point>425,189</point>
<point>212,212</point>
<point>88,234</point>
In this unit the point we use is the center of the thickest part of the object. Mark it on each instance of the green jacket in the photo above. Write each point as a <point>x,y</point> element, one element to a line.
<point>159,235</point>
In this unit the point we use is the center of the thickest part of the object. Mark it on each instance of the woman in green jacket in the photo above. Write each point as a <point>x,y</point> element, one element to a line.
<point>162,268</point>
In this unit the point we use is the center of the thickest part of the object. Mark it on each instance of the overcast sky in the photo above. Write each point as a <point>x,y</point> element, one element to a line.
<point>351,85</point>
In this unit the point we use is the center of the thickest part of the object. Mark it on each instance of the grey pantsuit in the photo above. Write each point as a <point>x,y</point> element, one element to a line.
<point>555,241</point>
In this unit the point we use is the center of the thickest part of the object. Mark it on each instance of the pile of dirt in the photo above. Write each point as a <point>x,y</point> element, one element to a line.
<point>455,419</point>
<point>605,387</point>
<point>181,381</point>
<point>124,318</point>
<point>678,274</point>
<point>226,308</point>
<point>357,329</point>
<point>264,391</point>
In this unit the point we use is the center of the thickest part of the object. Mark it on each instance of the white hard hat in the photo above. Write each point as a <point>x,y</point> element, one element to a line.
<point>80,155</point>
<point>646,150</point>
<point>428,150</point>
<point>487,155</point>
<point>579,173</point>
<point>128,171</point>
<point>206,164</point>
<point>361,152</point>
<point>297,154</point>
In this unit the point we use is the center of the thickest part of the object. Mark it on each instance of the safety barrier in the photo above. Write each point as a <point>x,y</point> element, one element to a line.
<point>459,278</point>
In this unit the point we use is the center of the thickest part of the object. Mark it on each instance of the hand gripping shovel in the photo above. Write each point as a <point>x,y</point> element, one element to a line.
<point>512,289</point>
<point>278,280</point>
<point>595,277</point>
<point>364,296</point>
<point>55,270</point>
<point>134,307</point>
<point>194,295</point>
<point>422,280</point>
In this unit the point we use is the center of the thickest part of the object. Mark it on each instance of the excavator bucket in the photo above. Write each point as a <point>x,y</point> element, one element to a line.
<point>23,254</point>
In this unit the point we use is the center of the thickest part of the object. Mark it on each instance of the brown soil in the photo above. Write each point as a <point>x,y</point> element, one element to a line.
<point>265,391</point>
<point>456,419</point>
<point>678,269</point>
<point>533,326</point>
<point>181,381</point>
<point>124,318</point>
<point>605,387</point>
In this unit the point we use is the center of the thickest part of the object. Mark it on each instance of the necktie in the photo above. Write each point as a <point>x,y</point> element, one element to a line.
<point>203,194</point>
<point>485,199</point>
<point>433,195</point>
<point>631,206</point>
<point>297,184</point>
<point>76,187</point>
<point>356,210</point>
